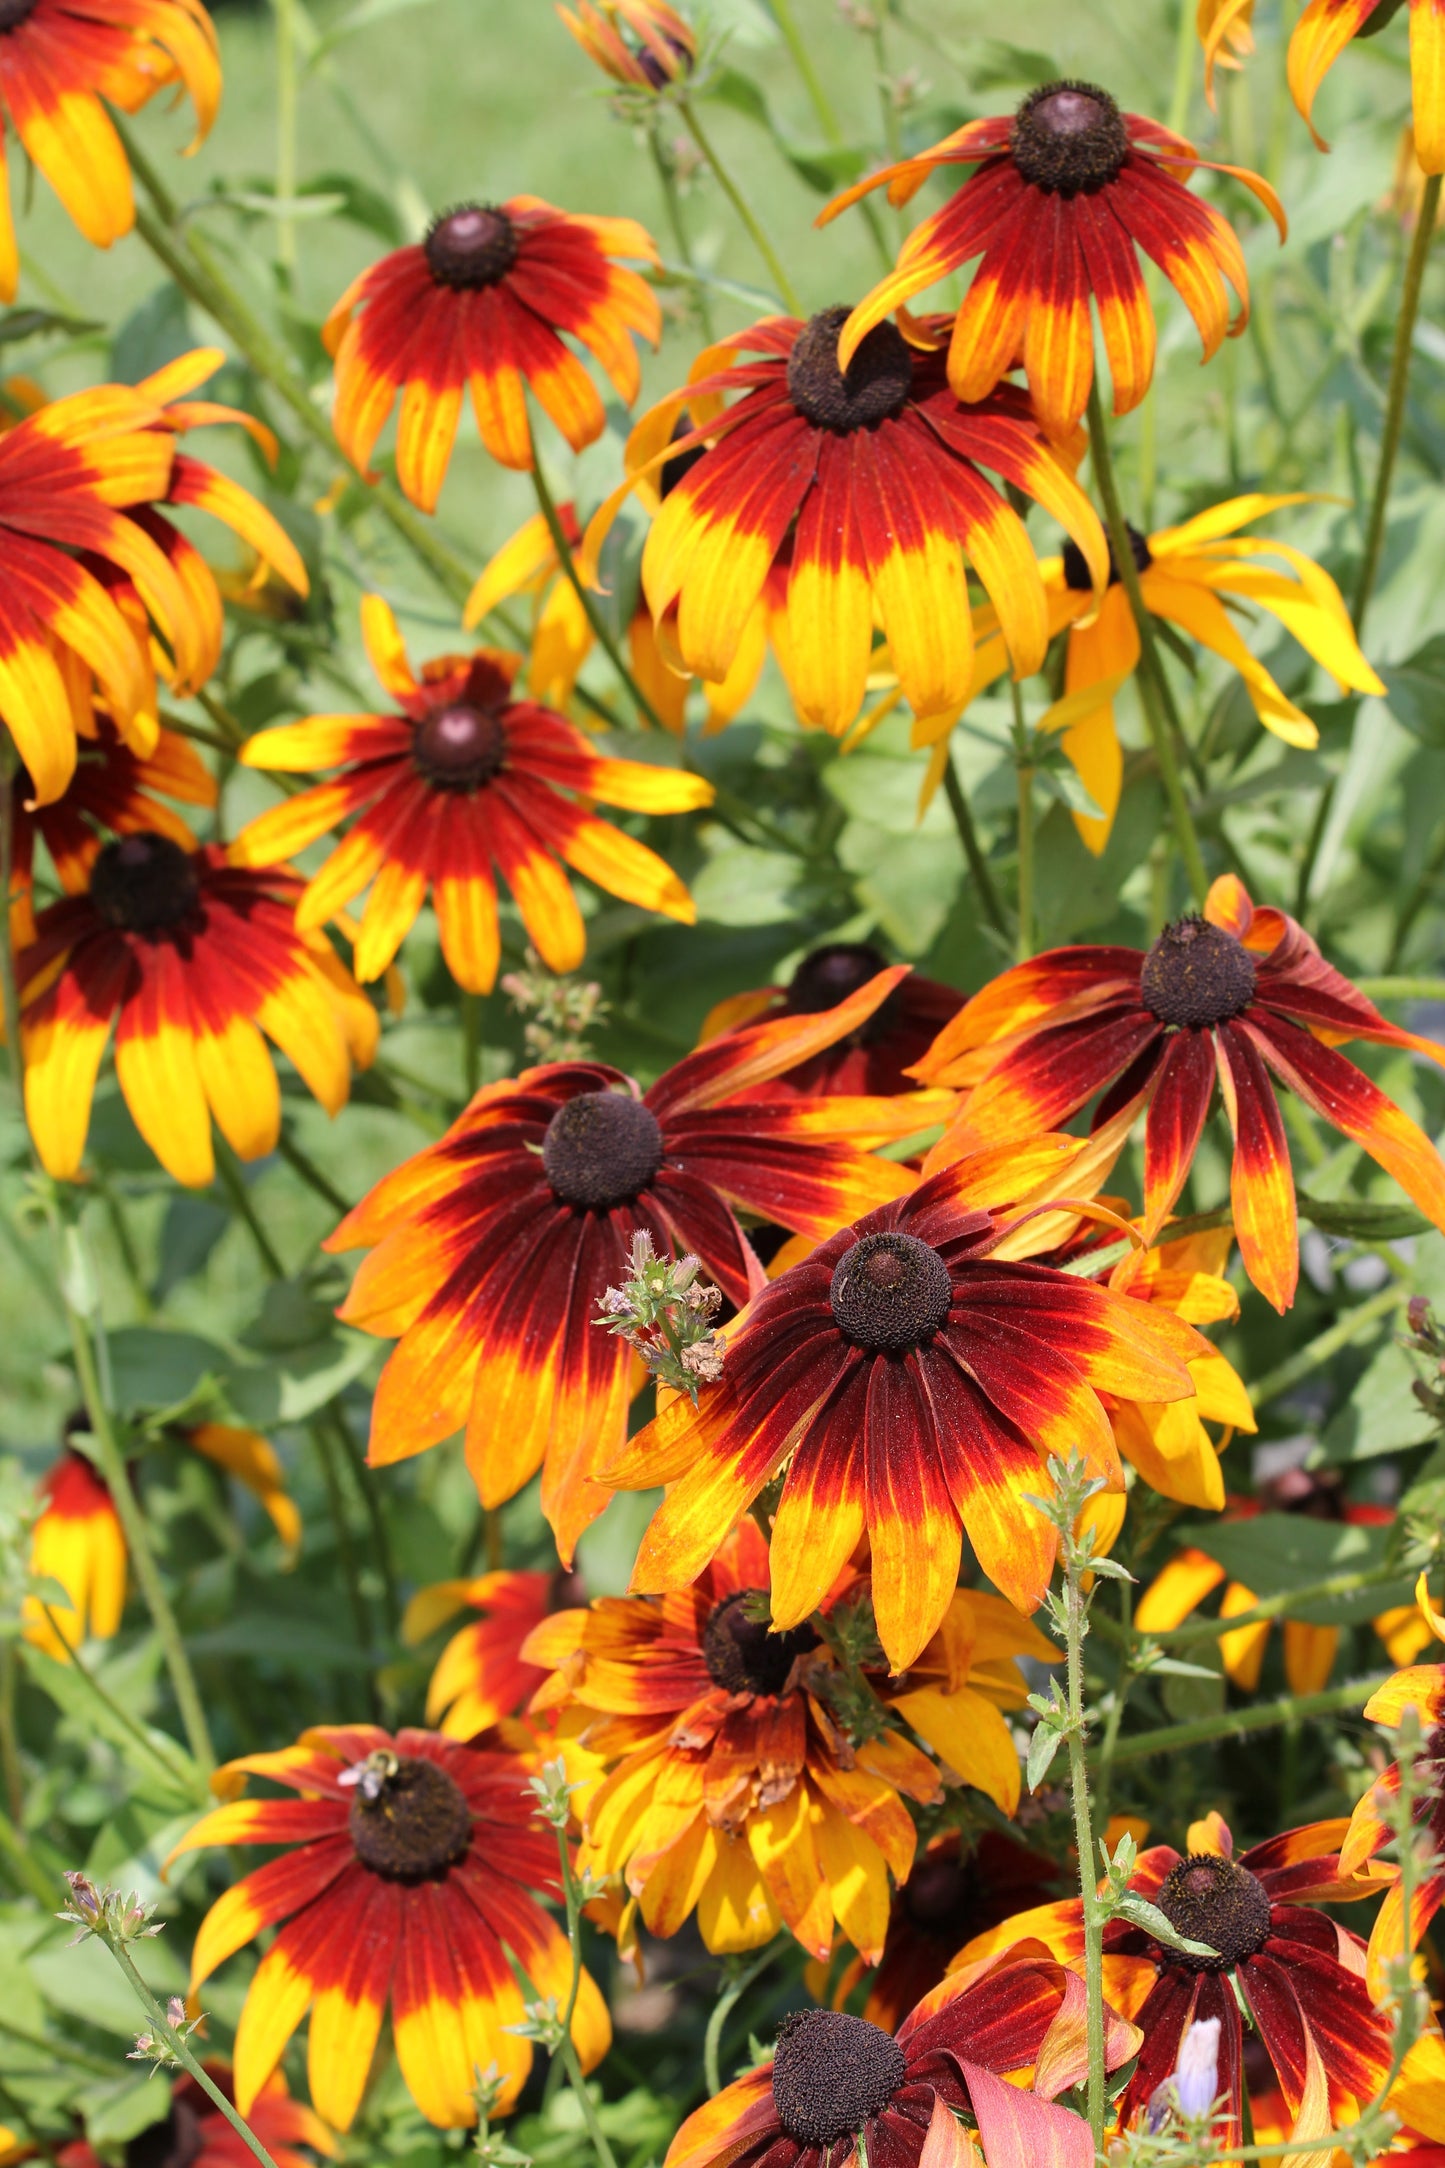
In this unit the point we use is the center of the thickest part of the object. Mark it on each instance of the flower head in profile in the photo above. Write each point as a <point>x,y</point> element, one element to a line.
<point>481,1675</point>
<point>1326,28</point>
<point>1299,1975</point>
<point>643,44</point>
<point>839,2089</point>
<point>486,302</point>
<point>193,2133</point>
<point>459,784</point>
<point>491,1249</point>
<point>915,1382</point>
<point>193,960</point>
<point>416,1866</point>
<point>1196,577</point>
<point>1241,997</point>
<point>1065,195</point>
<point>874,1058</point>
<point>62,62</point>
<point>825,501</point>
<point>1226,32</point>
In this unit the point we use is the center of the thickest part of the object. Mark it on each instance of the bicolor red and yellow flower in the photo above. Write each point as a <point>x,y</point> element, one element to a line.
<point>874,1058</point>
<point>1241,997</point>
<point>1226,32</point>
<point>1066,193</point>
<point>825,505</point>
<point>1298,1973</point>
<point>492,1248</point>
<point>1189,576</point>
<point>915,1381</point>
<point>193,960</point>
<point>413,1866</point>
<point>642,43</point>
<point>1326,28</point>
<point>62,62</point>
<point>481,1675</point>
<point>462,785</point>
<point>484,304</point>
<point>194,2133</point>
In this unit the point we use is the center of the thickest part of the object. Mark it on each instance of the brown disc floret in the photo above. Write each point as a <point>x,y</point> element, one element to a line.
<point>874,387</point>
<point>742,1655</point>
<point>601,1149</point>
<point>831,2073</point>
<point>1197,975</point>
<point>459,747</point>
<point>1208,1898</point>
<point>1069,139</point>
<point>144,883</point>
<point>890,1292</point>
<point>475,245</point>
<point>411,1825</point>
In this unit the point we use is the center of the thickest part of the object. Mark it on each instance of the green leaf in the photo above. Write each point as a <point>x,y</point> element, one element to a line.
<point>825,171</point>
<point>361,17</point>
<point>1139,1912</point>
<point>1276,1553</point>
<point>1358,1219</point>
<point>744,885</point>
<point>155,1758</point>
<point>728,87</point>
<point>1416,692</point>
<point>18,324</point>
<point>997,65</point>
<point>120,2108</point>
<point>1043,1746</point>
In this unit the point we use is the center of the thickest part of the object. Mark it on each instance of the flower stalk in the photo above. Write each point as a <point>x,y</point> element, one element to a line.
<point>1396,397</point>
<point>546,2024</point>
<point>783,285</point>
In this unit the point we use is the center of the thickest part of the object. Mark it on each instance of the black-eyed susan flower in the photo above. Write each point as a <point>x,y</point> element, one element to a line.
<point>254,1462</point>
<point>957,1890</point>
<point>914,1382</point>
<point>61,63</point>
<point>481,1675</point>
<point>1238,996</point>
<point>831,501</point>
<point>194,2134</point>
<point>874,1058</point>
<point>415,1866</point>
<point>1226,32</point>
<point>734,1791</point>
<point>1298,1974</point>
<point>461,785</point>
<point>193,960</point>
<point>1065,194</point>
<point>492,1248</point>
<point>1192,576</point>
<point>1420,1687</point>
<point>642,43</point>
<point>77,1542</point>
<point>839,2088</point>
<point>486,301</point>
<point>1326,28</point>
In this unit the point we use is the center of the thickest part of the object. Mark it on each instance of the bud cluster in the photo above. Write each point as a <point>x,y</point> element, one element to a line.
<point>562,1011</point>
<point>666,1313</point>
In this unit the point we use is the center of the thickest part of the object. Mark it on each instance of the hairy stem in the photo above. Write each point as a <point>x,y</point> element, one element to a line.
<point>982,879</point>
<point>1240,1723</point>
<point>166,2032</point>
<point>1395,399</point>
<point>732,1991</point>
<point>1076,1627</point>
<point>566,2048</point>
<point>782,284</point>
<point>600,628</point>
<point>1024,943</point>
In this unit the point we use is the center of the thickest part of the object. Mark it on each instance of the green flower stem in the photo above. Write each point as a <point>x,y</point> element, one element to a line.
<point>334,1416</point>
<point>783,16</point>
<point>1306,1360</point>
<point>233,1182</point>
<point>566,2047</point>
<point>732,1991</point>
<point>1123,1686</point>
<point>137,1536</point>
<point>471,1043</point>
<point>9,985</point>
<point>672,202</point>
<point>1076,1627</point>
<point>1240,1723</point>
<point>310,1173</point>
<point>21,1861</point>
<point>165,2031</point>
<point>9,1741</point>
<point>286,133</point>
<point>982,879</point>
<point>170,1772</point>
<point>1396,398</point>
<point>1401,989</point>
<point>1023,762</point>
<point>783,285</point>
<point>1153,684</point>
<point>601,629</point>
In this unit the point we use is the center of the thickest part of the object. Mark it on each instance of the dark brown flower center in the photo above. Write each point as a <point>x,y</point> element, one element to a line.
<point>601,1149</point>
<point>830,975</point>
<point>890,1293</point>
<point>673,470</point>
<point>740,1652</point>
<point>412,1825</point>
<point>941,1898</point>
<point>144,883</point>
<point>1069,139</point>
<point>877,384</point>
<point>1196,975</point>
<point>12,14</point>
<point>473,246</point>
<point>831,2073</point>
<point>1210,1899</point>
<point>1076,571</point>
<point>176,2140</point>
<point>459,747</point>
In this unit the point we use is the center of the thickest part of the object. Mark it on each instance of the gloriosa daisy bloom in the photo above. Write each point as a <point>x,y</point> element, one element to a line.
<point>1226,32</point>
<point>1188,575</point>
<point>874,1058</point>
<point>481,1675</point>
<point>481,303</point>
<point>416,1864</point>
<point>194,2134</point>
<point>1230,998</point>
<point>829,500</point>
<point>61,63</point>
<point>1326,28</point>
<point>1065,193</point>
<point>642,43</point>
<point>464,783</point>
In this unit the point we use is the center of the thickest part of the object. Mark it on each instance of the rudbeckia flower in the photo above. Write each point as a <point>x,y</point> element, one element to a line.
<point>1326,28</point>
<point>1183,573</point>
<point>1232,997</point>
<point>494,1246</point>
<point>840,2089</point>
<point>77,1540</point>
<point>462,781</point>
<point>481,1675</point>
<point>1067,191</point>
<point>416,1866</point>
<point>836,499</point>
<point>1298,1974</point>
<point>1226,31</point>
<point>734,1792</point>
<point>482,301</point>
<point>193,959</point>
<point>642,43</point>
<point>1420,1687</point>
<point>875,1057</point>
<point>1191,1575</point>
<point>253,1461</point>
<point>61,63</point>
<point>918,1381</point>
<point>195,2134</point>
